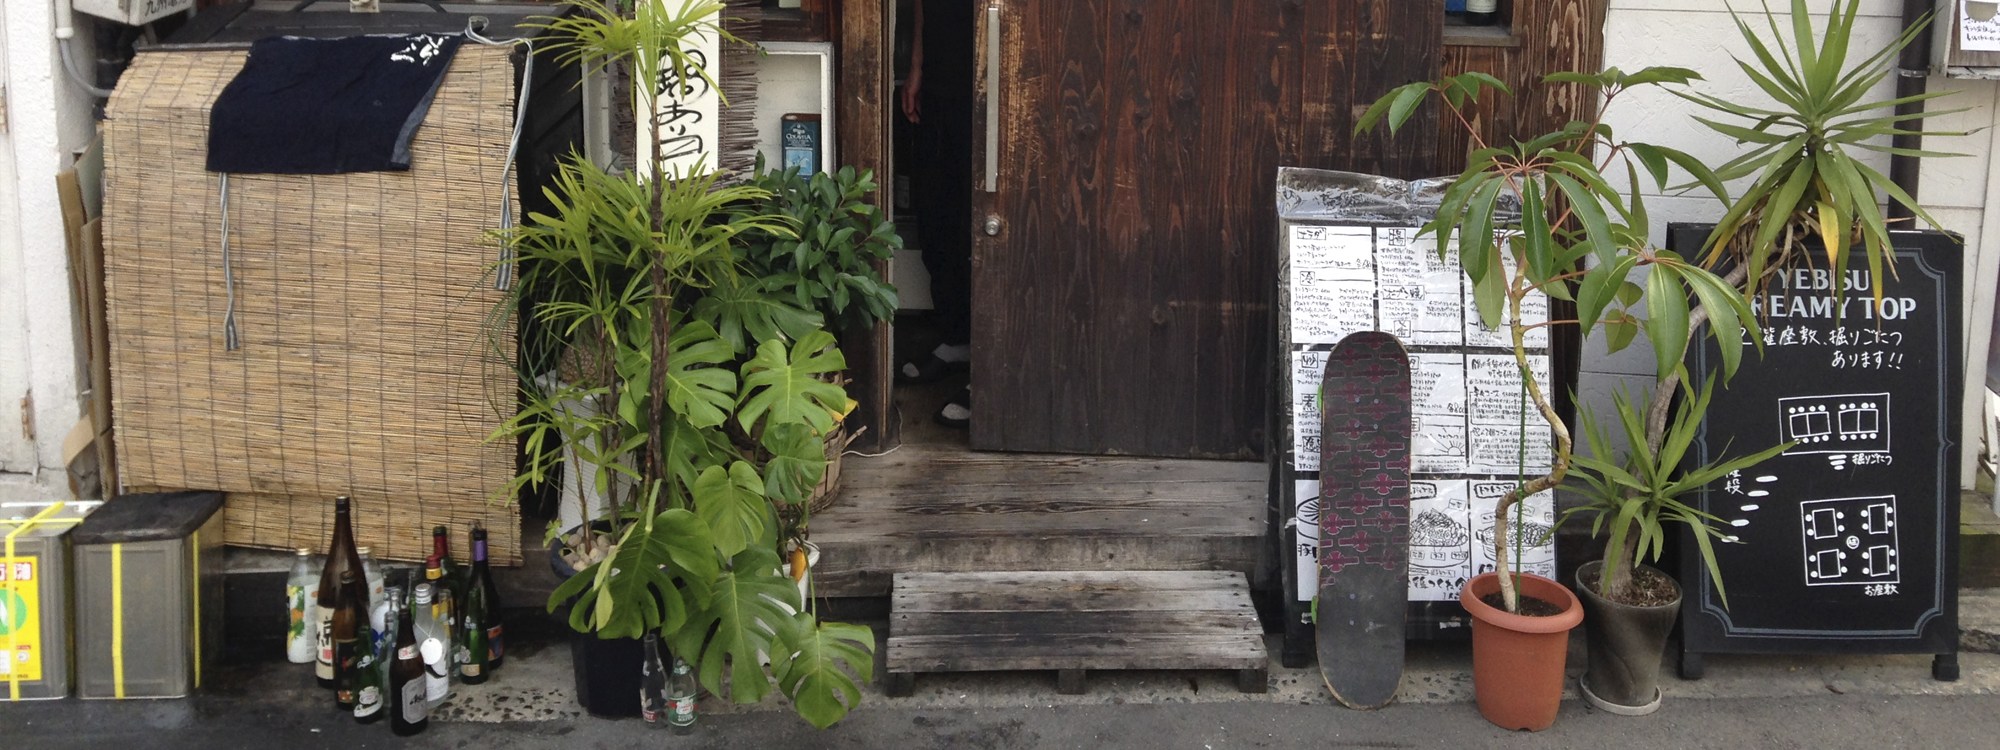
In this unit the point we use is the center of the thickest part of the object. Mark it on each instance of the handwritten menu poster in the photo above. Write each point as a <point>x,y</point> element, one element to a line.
<point>1469,440</point>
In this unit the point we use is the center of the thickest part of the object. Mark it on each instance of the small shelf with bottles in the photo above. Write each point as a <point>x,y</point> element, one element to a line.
<point>1480,23</point>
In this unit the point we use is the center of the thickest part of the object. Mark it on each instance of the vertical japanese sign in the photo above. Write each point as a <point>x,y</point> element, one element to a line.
<point>20,623</point>
<point>686,120</point>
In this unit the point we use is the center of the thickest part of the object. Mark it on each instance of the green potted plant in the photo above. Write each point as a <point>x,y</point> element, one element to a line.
<point>694,438</point>
<point>1808,195</point>
<point>1539,216</point>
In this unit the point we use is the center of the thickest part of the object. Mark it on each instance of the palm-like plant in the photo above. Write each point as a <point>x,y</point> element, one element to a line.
<point>693,436</point>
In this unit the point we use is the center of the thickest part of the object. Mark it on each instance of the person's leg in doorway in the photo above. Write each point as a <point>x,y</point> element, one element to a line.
<point>937,98</point>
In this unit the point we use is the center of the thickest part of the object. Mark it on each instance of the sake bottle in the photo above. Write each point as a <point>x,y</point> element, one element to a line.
<point>341,557</point>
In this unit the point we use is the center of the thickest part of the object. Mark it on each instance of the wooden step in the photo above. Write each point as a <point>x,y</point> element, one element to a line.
<point>1072,622</point>
<point>950,510</point>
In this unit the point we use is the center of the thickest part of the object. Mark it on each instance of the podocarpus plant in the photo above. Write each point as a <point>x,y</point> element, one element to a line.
<point>1576,238</point>
<point>691,435</point>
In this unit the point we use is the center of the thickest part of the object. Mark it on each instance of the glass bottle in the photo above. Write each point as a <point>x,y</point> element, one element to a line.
<point>369,679</point>
<point>652,682</point>
<point>371,573</point>
<point>340,557</point>
<point>443,605</point>
<point>680,698</point>
<point>300,587</point>
<point>482,578</point>
<point>409,710</point>
<point>346,624</point>
<point>1482,12</point>
<point>433,644</point>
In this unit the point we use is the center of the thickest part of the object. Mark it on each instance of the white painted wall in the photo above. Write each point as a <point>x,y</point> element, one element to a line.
<point>1700,34</point>
<point>48,118</point>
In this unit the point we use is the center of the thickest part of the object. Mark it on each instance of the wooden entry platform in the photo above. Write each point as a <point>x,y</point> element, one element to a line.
<point>1072,621</point>
<point>946,509</point>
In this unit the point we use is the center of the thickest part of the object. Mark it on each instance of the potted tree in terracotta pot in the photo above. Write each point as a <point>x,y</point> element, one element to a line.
<point>1539,216</point>
<point>1808,196</point>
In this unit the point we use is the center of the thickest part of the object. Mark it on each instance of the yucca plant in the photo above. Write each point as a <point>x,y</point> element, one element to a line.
<point>1802,150</point>
<point>695,437</point>
<point>1634,496</point>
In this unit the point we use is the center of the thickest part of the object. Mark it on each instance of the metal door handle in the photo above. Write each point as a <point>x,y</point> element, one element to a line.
<point>993,98</point>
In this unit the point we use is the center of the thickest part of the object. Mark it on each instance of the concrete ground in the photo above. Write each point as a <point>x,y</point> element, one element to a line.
<point>1744,701</point>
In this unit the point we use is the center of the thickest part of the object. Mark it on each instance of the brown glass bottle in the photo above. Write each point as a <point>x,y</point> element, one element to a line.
<point>409,711</point>
<point>348,621</point>
<point>341,557</point>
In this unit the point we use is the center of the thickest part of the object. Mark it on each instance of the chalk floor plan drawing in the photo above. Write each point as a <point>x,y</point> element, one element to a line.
<point>1850,540</point>
<point>1836,423</point>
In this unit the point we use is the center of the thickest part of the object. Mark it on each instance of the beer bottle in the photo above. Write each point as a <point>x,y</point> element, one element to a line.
<point>340,557</point>
<point>652,682</point>
<point>409,709</point>
<point>347,621</point>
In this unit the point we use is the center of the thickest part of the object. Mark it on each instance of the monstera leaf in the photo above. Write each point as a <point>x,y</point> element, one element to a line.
<point>745,607</point>
<point>750,310</point>
<point>798,461</point>
<point>809,667</point>
<point>632,591</point>
<point>732,503</point>
<point>784,387</point>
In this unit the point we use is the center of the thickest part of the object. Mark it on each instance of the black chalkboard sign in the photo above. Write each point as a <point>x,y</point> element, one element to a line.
<point>1848,541</point>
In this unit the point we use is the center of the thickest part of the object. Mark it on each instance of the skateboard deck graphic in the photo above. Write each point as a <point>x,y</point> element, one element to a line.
<point>1364,514</point>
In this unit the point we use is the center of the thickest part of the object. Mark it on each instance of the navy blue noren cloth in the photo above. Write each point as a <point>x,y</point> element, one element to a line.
<point>327,106</point>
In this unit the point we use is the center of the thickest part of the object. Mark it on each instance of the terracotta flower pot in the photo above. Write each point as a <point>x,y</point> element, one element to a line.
<point>1517,661</point>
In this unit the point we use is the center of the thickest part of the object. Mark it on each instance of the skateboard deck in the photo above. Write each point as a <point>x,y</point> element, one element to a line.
<point>1364,519</point>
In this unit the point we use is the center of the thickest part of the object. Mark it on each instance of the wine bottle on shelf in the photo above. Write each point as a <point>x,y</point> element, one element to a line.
<point>300,586</point>
<point>1482,12</point>
<point>348,621</point>
<point>481,577</point>
<point>409,710</point>
<point>341,557</point>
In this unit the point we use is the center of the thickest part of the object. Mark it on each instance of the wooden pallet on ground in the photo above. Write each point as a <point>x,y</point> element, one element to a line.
<point>1072,622</point>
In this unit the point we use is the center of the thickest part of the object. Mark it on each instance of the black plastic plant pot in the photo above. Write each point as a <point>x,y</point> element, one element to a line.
<point>1627,644</point>
<point>607,669</point>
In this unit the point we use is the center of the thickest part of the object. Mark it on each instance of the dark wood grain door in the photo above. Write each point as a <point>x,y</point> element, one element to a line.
<point>1123,259</point>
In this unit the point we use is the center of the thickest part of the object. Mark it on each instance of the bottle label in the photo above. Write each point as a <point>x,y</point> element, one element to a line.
<point>469,669</point>
<point>437,677</point>
<point>680,711</point>
<point>299,645</point>
<point>368,702</point>
<point>493,649</point>
<point>323,666</point>
<point>1481,6</point>
<point>407,652</point>
<point>411,697</point>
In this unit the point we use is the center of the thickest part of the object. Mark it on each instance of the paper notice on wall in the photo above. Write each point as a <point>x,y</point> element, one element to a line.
<point>1975,35</point>
<point>1437,400</point>
<point>1531,529</point>
<point>1497,408</point>
<point>1306,551</point>
<point>1308,369</point>
<point>1418,293</point>
<point>1440,539</point>
<point>1534,310</point>
<point>1332,283</point>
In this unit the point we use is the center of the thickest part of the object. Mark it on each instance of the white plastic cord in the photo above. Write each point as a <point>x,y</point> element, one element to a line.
<point>503,275</point>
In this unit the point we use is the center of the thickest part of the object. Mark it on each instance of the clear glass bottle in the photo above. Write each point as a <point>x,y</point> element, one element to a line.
<point>371,572</point>
<point>652,683</point>
<point>681,693</point>
<point>300,640</point>
<point>433,644</point>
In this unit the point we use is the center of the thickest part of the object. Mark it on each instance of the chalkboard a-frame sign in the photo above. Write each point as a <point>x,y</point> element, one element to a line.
<point>1847,542</point>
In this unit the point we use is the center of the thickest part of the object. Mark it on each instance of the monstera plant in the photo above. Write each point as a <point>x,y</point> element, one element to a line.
<point>693,438</point>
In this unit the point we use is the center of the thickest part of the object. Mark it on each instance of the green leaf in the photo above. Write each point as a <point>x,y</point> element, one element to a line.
<point>753,310</point>
<point>697,390</point>
<point>787,386</point>
<point>813,667</point>
<point>798,461</point>
<point>746,606</point>
<point>732,503</point>
<point>1591,213</point>
<point>1717,298</point>
<point>1666,318</point>
<point>633,590</point>
<point>1408,98</point>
